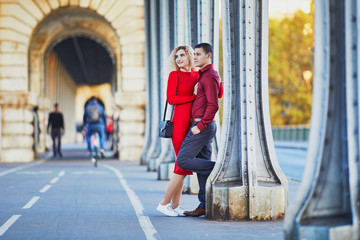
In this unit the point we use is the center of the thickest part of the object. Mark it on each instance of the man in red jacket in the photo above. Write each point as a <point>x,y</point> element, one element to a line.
<point>195,151</point>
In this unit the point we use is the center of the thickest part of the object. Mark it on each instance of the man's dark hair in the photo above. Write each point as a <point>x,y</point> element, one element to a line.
<point>206,47</point>
<point>56,104</point>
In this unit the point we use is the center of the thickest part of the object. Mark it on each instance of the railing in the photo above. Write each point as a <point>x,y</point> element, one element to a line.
<point>291,133</point>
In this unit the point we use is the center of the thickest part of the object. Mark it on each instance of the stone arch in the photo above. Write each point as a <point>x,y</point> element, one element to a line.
<point>64,23</point>
<point>116,25</point>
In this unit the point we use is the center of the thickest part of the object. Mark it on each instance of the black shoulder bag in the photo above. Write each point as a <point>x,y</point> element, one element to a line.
<point>166,126</point>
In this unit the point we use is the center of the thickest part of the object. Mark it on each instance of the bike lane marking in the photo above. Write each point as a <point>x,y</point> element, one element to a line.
<point>62,173</point>
<point>145,223</point>
<point>14,218</point>
<point>54,180</point>
<point>8,224</point>
<point>44,189</point>
<point>21,167</point>
<point>31,202</point>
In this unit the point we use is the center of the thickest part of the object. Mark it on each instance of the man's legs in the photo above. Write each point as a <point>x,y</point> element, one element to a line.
<point>88,138</point>
<point>55,135</point>
<point>195,155</point>
<point>53,138</point>
<point>59,144</point>
<point>102,137</point>
<point>205,153</point>
<point>190,154</point>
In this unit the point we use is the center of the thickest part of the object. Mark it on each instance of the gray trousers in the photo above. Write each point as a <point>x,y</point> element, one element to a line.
<point>195,156</point>
<point>56,137</point>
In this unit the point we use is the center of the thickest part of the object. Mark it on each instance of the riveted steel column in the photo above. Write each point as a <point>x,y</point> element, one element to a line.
<point>352,28</point>
<point>247,182</point>
<point>167,155</point>
<point>155,65</point>
<point>208,31</point>
<point>148,113</point>
<point>182,23</point>
<point>204,21</point>
<point>327,205</point>
<point>186,34</point>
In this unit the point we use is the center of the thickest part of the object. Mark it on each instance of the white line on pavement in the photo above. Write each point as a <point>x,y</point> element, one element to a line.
<point>62,173</point>
<point>44,189</point>
<point>31,202</point>
<point>8,224</point>
<point>54,180</point>
<point>145,223</point>
<point>21,167</point>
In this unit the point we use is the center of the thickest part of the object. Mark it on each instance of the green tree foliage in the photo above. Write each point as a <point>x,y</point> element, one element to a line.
<point>290,69</point>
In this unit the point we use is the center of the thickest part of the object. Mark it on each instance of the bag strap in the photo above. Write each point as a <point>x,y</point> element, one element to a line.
<point>172,112</point>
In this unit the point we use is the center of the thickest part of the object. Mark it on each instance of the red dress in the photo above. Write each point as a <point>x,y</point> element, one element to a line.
<point>182,110</point>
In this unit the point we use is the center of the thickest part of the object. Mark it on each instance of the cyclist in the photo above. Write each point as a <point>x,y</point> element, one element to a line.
<point>94,120</point>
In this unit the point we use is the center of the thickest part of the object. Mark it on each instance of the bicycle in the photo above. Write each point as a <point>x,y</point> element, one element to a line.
<point>95,154</point>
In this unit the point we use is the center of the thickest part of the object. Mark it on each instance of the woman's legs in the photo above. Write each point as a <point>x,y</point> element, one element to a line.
<point>174,189</point>
<point>177,194</point>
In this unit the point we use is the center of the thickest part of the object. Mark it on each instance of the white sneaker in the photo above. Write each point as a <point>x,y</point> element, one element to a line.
<point>167,210</point>
<point>180,211</point>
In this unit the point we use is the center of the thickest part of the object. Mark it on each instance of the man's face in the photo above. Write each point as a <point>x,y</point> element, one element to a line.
<point>201,59</point>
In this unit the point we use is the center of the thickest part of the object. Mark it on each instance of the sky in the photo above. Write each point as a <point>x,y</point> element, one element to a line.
<point>278,8</point>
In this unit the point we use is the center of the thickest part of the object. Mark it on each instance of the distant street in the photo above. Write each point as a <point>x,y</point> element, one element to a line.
<point>291,161</point>
<point>70,199</point>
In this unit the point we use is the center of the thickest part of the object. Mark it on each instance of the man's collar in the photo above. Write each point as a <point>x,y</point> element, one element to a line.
<point>207,67</point>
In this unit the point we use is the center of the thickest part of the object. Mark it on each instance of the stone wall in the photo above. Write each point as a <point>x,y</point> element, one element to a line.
<point>29,29</point>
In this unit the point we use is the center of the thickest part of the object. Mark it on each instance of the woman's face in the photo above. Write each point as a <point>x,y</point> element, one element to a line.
<point>181,59</point>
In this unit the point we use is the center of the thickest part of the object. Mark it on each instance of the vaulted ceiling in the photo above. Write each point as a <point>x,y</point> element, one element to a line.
<point>87,61</point>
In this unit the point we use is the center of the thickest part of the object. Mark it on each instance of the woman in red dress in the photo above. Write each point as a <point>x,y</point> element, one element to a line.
<point>180,93</point>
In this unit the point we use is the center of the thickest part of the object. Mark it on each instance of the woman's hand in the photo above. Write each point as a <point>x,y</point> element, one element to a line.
<point>195,88</point>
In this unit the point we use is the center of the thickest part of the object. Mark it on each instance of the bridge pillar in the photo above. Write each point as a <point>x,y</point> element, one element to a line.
<point>148,113</point>
<point>328,202</point>
<point>165,162</point>
<point>16,127</point>
<point>153,55</point>
<point>247,182</point>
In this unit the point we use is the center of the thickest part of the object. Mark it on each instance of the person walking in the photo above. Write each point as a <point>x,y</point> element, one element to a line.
<point>56,129</point>
<point>180,93</point>
<point>195,151</point>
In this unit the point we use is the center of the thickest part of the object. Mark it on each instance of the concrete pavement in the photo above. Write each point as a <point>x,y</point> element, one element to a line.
<point>115,201</point>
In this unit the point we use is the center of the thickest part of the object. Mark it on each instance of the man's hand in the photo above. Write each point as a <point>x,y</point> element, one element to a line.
<point>62,132</point>
<point>195,130</point>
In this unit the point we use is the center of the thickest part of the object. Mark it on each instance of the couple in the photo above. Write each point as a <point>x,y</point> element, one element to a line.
<point>195,99</point>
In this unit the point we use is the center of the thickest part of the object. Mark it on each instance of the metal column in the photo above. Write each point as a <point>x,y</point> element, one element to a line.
<point>204,26</point>
<point>167,155</point>
<point>148,126</point>
<point>247,182</point>
<point>155,65</point>
<point>327,205</point>
<point>352,31</point>
<point>208,31</point>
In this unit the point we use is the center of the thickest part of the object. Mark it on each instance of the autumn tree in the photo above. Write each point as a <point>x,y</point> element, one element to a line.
<point>290,69</point>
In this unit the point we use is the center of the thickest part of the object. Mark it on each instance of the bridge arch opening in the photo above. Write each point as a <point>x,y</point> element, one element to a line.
<point>74,54</point>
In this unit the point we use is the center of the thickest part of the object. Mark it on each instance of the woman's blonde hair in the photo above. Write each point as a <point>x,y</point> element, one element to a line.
<point>172,61</point>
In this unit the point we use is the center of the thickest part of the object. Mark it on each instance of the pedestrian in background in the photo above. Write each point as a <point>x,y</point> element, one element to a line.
<point>180,93</point>
<point>56,129</point>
